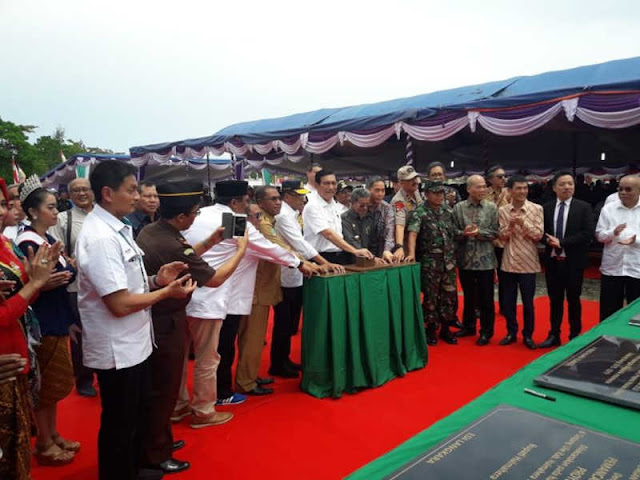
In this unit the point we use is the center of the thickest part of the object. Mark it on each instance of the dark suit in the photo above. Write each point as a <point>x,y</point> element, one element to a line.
<point>564,273</point>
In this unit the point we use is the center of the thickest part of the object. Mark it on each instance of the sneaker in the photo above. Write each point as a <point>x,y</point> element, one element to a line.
<point>216,418</point>
<point>234,399</point>
<point>178,415</point>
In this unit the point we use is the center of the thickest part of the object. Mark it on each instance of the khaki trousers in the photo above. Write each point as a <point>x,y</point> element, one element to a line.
<point>205,334</point>
<point>251,335</point>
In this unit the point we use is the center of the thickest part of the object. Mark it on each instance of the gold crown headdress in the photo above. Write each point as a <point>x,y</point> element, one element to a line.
<point>30,184</point>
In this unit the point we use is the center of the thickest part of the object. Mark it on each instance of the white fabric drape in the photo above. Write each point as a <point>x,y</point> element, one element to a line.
<point>623,119</point>
<point>435,133</point>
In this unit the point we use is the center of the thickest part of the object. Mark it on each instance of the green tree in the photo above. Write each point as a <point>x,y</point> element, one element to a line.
<point>14,143</point>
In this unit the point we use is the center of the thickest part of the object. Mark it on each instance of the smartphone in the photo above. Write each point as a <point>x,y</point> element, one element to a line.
<point>227,223</point>
<point>239,225</point>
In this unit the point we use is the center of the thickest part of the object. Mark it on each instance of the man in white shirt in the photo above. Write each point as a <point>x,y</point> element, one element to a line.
<point>114,296</point>
<point>287,313</point>
<point>619,229</point>
<point>323,225</point>
<point>67,230</point>
<point>224,305</point>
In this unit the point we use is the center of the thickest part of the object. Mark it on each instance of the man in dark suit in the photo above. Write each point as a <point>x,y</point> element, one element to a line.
<point>569,229</point>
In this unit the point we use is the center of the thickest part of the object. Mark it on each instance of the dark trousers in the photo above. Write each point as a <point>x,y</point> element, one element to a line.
<point>478,293</point>
<point>166,375</point>
<point>285,324</point>
<point>341,258</point>
<point>227,351</point>
<point>84,375</point>
<point>563,280</point>
<point>499,252</point>
<point>124,395</point>
<point>526,282</point>
<point>614,291</point>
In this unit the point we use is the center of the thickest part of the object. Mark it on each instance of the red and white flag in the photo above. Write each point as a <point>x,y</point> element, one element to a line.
<point>18,174</point>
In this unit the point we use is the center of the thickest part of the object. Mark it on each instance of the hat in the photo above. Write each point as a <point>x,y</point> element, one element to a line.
<point>232,188</point>
<point>433,186</point>
<point>342,186</point>
<point>407,173</point>
<point>294,186</point>
<point>186,188</point>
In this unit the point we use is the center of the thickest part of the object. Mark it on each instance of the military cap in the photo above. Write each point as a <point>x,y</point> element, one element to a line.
<point>294,186</point>
<point>232,188</point>
<point>407,173</point>
<point>434,186</point>
<point>178,194</point>
<point>342,186</point>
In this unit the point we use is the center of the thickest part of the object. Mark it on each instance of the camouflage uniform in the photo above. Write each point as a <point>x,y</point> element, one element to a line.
<point>436,241</point>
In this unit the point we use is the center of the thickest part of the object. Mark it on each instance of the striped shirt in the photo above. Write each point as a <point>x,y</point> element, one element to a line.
<point>520,251</point>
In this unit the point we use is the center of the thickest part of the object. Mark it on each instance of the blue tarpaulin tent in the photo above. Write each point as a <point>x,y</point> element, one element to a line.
<point>570,104</point>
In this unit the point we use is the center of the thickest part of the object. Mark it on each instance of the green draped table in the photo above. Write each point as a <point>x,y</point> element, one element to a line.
<point>604,417</point>
<point>361,330</point>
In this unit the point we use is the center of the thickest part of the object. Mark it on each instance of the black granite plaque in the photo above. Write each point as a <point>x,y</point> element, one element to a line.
<point>513,444</point>
<point>607,369</point>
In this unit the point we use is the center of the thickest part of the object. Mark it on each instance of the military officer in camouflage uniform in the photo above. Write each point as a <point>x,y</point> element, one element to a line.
<point>432,226</point>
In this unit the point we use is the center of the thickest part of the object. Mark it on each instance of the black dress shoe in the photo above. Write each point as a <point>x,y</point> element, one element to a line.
<point>482,341</point>
<point>264,381</point>
<point>294,365</point>
<point>457,325</point>
<point>260,391</point>
<point>508,340</point>
<point>448,338</point>
<point>529,343</point>
<point>174,466</point>
<point>432,338</point>
<point>177,445</point>
<point>551,341</point>
<point>465,332</point>
<point>86,390</point>
<point>284,372</point>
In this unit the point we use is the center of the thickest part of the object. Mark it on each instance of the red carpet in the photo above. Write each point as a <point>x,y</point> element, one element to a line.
<point>291,435</point>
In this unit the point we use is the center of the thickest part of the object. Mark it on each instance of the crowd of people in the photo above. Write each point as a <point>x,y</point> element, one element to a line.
<point>132,279</point>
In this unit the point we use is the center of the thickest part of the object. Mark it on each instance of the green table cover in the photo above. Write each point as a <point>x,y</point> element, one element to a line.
<point>361,330</point>
<point>605,417</point>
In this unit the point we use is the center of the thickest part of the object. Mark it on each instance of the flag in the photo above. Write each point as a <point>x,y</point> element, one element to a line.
<point>82,171</point>
<point>18,174</point>
<point>266,176</point>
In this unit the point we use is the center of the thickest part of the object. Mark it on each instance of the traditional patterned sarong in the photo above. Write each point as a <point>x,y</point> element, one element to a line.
<point>16,422</point>
<point>55,369</point>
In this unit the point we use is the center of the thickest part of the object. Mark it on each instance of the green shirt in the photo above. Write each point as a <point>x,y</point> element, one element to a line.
<point>436,236</point>
<point>476,253</point>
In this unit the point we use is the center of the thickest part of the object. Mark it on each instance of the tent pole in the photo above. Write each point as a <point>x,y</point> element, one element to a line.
<point>208,175</point>
<point>575,154</point>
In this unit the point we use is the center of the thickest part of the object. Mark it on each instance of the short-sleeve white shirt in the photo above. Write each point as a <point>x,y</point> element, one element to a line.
<point>109,260</point>
<point>318,216</point>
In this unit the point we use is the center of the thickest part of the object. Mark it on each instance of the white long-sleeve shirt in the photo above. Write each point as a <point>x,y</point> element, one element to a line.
<point>619,260</point>
<point>289,229</point>
<point>235,296</point>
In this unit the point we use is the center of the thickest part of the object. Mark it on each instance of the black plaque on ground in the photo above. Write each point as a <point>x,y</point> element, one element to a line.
<point>607,369</point>
<point>513,444</point>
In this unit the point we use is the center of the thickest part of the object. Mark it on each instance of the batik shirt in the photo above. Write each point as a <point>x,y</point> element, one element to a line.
<point>476,253</point>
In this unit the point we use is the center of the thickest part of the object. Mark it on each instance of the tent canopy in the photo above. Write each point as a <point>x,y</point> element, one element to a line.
<point>563,117</point>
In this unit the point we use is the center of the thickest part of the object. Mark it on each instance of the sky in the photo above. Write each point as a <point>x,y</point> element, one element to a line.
<point>119,74</point>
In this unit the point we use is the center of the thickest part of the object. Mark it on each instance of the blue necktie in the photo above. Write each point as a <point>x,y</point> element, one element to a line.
<point>560,226</point>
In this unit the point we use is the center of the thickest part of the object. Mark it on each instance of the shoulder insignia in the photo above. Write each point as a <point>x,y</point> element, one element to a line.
<point>398,206</point>
<point>189,251</point>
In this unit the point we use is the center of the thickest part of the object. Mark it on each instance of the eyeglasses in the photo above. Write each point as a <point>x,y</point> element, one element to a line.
<point>80,190</point>
<point>500,176</point>
<point>625,189</point>
<point>257,215</point>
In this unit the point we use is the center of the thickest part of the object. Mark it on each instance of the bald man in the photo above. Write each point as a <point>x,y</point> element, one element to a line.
<point>619,229</point>
<point>67,230</point>
<point>476,227</point>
